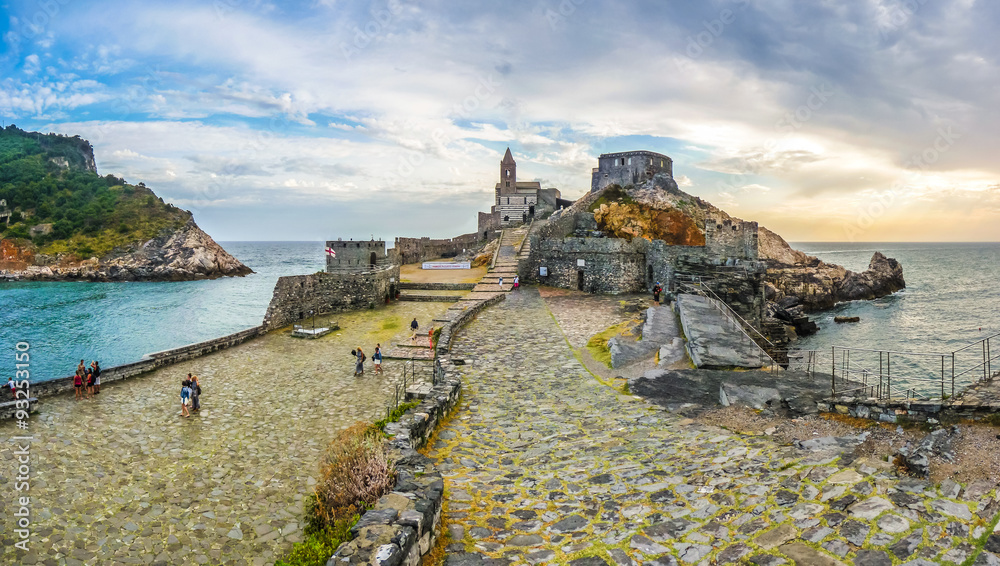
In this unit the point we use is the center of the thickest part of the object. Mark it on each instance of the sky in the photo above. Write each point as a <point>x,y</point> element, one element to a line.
<point>827,120</point>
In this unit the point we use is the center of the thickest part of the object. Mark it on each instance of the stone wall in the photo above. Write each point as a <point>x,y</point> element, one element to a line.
<point>609,265</point>
<point>296,295</point>
<point>416,250</point>
<point>403,526</point>
<point>149,362</point>
<point>357,256</point>
<point>731,238</point>
<point>489,225</point>
<point>629,168</point>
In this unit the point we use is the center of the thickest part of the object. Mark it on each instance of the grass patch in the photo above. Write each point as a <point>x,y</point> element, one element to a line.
<point>319,545</point>
<point>392,324</point>
<point>598,343</point>
<point>395,415</point>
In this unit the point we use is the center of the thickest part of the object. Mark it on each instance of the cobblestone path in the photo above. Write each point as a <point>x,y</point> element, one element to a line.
<point>545,465</point>
<point>122,479</point>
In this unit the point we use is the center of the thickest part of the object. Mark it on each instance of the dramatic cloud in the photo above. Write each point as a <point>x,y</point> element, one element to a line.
<point>834,120</point>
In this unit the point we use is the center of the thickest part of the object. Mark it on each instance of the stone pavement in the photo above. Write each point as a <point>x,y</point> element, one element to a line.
<point>545,465</point>
<point>123,479</point>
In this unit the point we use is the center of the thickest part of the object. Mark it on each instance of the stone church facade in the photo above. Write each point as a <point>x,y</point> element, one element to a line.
<point>516,202</point>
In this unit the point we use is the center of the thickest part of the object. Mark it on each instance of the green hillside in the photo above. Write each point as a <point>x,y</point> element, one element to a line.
<point>49,179</point>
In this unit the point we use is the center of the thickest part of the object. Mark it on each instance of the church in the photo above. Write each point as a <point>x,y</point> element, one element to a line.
<point>516,202</point>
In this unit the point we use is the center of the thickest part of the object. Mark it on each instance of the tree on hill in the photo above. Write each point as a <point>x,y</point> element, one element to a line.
<point>49,179</point>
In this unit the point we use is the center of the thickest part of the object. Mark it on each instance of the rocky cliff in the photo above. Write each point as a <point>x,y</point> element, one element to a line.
<point>182,255</point>
<point>795,279</point>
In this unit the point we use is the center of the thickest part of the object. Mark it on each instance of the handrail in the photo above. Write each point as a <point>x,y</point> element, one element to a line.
<point>496,252</point>
<point>728,313</point>
<point>734,313</point>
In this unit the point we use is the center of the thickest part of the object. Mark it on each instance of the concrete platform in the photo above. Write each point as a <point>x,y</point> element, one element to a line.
<point>713,340</point>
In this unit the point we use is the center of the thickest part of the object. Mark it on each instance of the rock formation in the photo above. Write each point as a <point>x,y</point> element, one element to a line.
<point>185,254</point>
<point>795,279</point>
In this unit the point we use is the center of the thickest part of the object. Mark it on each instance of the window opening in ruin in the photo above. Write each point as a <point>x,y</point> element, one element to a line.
<point>630,161</point>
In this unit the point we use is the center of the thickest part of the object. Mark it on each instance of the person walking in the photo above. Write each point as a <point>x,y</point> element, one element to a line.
<point>500,283</point>
<point>195,392</point>
<point>656,292</point>
<point>13,388</point>
<point>377,359</point>
<point>185,397</point>
<point>359,368</point>
<point>413,328</point>
<point>97,376</point>
<point>517,282</point>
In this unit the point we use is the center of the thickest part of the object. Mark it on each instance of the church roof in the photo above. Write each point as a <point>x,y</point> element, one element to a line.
<point>507,157</point>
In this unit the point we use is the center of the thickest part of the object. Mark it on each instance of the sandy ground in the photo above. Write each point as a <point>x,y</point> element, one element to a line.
<point>412,273</point>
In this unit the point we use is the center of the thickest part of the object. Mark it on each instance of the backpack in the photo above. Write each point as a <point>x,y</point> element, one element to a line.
<point>363,357</point>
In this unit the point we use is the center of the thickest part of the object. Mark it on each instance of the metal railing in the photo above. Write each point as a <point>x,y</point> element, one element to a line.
<point>764,346</point>
<point>412,373</point>
<point>913,375</point>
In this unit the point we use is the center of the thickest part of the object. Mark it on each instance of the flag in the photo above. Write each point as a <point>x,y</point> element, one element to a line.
<point>330,252</point>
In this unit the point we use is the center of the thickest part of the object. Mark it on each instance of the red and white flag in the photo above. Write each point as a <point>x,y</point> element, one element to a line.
<point>330,252</point>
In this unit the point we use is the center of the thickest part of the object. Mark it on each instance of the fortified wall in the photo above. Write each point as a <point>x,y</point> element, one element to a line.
<point>358,275</point>
<point>415,250</point>
<point>574,254</point>
<point>295,296</point>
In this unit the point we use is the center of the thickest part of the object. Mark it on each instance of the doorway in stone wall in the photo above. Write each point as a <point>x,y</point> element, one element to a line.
<point>372,259</point>
<point>649,273</point>
<point>579,280</point>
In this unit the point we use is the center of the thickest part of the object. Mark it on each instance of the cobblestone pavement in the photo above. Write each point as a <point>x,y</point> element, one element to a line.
<point>544,465</point>
<point>581,315</point>
<point>123,479</point>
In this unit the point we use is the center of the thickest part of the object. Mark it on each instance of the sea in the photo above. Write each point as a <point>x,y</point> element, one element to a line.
<point>951,299</point>
<point>118,323</point>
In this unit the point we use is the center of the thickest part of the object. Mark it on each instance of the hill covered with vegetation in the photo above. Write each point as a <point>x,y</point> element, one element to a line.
<point>59,202</point>
<point>61,220</point>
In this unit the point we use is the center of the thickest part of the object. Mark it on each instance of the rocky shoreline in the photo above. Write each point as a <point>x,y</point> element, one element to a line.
<point>183,255</point>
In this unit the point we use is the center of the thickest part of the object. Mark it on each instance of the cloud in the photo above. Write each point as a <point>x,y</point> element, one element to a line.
<point>822,104</point>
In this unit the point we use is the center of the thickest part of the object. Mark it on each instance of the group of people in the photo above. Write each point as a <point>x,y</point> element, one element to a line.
<point>517,282</point>
<point>190,395</point>
<point>87,380</point>
<point>360,358</point>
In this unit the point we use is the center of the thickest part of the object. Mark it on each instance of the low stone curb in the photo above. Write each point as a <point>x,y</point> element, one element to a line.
<point>403,525</point>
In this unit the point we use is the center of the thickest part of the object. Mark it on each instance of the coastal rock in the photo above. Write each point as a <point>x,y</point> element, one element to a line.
<point>806,282</point>
<point>938,444</point>
<point>185,254</point>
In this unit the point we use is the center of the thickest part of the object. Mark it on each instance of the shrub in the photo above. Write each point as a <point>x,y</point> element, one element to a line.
<point>318,546</point>
<point>354,473</point>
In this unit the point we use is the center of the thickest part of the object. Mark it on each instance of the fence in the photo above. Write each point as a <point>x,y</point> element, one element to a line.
<point>888,374</point>
<point>413,373</point>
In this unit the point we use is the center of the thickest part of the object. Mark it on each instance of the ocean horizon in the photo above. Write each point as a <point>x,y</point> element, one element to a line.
<point>949,302</point>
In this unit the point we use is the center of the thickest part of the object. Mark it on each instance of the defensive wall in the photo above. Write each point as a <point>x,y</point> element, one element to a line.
<point>416,250</point>
<point>295,296</point>
<point>353,256</point>
<point>403,526</point>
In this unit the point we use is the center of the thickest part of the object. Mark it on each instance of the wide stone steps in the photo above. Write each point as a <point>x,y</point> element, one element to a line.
<point>429,298</point>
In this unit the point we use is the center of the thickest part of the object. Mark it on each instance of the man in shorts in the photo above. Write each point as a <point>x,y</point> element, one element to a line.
<point>377,359</point>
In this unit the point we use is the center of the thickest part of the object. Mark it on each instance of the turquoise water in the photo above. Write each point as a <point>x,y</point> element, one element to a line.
<point>952,299</point>
<point>118,323</point>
